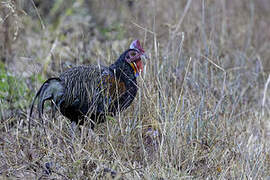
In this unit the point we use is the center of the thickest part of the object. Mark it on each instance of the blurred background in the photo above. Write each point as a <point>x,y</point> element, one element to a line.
<point>205,83</point>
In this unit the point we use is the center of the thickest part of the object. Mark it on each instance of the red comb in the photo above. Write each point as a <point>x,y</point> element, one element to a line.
<point>136,45</point>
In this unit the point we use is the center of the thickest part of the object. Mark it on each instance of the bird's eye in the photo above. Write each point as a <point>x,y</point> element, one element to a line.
<point>132,54</point>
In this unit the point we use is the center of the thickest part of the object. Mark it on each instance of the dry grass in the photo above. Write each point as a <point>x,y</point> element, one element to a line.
<point>203,106</point>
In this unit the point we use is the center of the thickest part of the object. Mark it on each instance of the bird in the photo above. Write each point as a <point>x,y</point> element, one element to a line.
<point>93,91</point>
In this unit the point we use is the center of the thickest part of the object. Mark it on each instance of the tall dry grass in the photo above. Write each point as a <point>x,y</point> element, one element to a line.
<point>202,110</point>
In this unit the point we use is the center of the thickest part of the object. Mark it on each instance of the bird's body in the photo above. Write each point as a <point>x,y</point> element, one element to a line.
<point>93,91</point>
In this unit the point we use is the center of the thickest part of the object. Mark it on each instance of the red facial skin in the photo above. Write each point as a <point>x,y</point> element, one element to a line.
<point>136,60</point>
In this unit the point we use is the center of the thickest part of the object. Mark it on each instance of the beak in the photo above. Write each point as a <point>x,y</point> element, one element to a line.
<point>144,56</point>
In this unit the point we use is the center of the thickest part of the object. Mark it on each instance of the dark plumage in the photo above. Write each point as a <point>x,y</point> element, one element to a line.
<point>93,91</point>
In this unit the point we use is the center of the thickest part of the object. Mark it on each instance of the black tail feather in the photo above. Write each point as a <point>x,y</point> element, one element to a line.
<point>41,101</point>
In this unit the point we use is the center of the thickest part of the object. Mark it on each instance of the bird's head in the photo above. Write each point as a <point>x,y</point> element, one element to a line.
<point>134,56</point>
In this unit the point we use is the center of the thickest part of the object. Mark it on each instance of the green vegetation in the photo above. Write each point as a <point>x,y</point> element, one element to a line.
<point>14,93</point>
<point>202,110</point>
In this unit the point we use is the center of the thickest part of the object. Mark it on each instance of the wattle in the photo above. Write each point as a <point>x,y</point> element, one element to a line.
<point>139,65</point>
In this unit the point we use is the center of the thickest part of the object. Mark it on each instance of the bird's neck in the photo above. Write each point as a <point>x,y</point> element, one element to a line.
<point>123,71</point>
